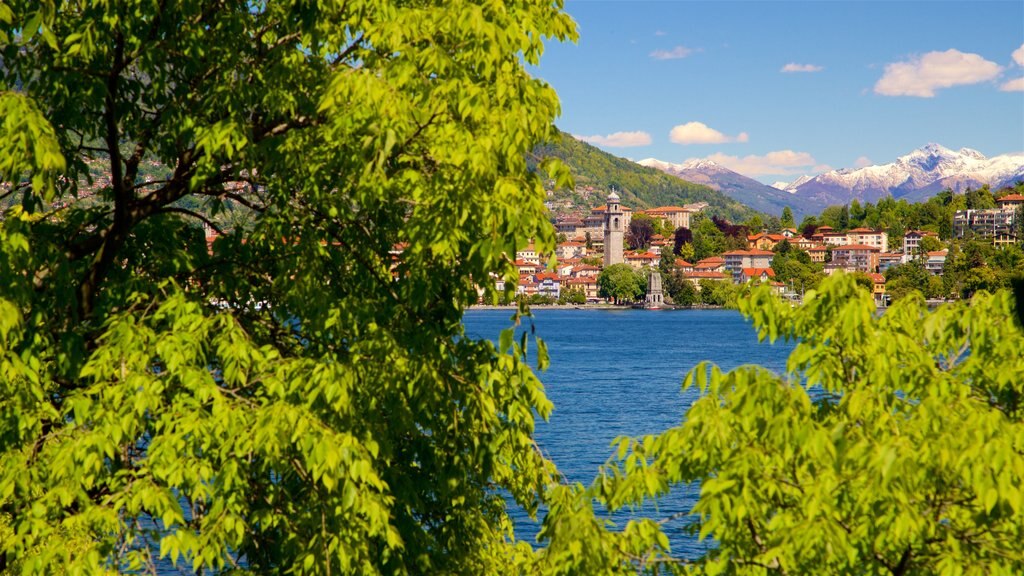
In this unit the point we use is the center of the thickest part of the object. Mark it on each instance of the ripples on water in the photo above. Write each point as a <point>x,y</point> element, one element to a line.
<point>619,373</point>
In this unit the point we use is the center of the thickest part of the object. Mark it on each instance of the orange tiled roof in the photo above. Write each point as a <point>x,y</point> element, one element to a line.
<point>705,274</point>
<point>1011,198</point>
<point>759,271</point>
<point>857,247</point>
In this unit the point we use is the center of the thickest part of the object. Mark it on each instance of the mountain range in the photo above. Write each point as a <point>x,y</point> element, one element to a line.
<point>914,177</point>
<point>638,186</point>
<point>740,188</point>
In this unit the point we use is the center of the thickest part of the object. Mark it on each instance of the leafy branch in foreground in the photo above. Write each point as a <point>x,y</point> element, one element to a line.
<point>299,395</point>
<point>894,443</point>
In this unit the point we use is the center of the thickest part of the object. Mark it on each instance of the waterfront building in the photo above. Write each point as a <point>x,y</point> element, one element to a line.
<point>614,229</point>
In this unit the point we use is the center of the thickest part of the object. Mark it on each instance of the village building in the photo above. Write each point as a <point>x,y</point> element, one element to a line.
<point>737,260</point>
<point>640,259</point>
<point>676,216</point>
<point>1010,202</point>
<point>683,265</point>
<point>586,271</point>
<point>548,284</point>
<point>586,284</point>
<point>697,275</point>
<point>567,250</point>
<point>818,253</point>
<point>528,254</point>
<point>868,237</point>
<point>888,260</point>
<point>834,239</point>
<point>711,264</point>
<point>802,243</point>
<point>912,242</point>
<point>756,274</point>
<point>936,262</point>
<point>764,241</point>
<point>878,288</point>
<point>995,224</point>
<point>856,257</point>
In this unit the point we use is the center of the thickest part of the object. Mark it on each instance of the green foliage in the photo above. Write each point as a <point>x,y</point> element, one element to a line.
<point>621,282</point>
<point>892,444</point>
<point>708,240</point>
<point>681,290</point>
<point>302,395</point>
<point>786,221</point>
<point>636,185</point>
<point>572,296</point>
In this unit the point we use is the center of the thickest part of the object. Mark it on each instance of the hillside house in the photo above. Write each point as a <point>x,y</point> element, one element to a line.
<point>856,257</point>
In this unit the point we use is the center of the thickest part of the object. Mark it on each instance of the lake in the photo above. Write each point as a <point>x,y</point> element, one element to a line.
<point>619,373</point>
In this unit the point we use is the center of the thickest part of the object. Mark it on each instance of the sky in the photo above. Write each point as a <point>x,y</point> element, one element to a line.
<point>775,90</point>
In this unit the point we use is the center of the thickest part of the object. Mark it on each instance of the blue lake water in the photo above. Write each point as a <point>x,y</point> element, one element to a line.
<point>619,373</point>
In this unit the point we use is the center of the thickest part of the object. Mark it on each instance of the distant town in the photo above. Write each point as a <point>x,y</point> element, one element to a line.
<point>677,255</point>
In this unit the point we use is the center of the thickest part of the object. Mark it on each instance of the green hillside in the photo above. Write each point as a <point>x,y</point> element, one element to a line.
<point>638,186</point>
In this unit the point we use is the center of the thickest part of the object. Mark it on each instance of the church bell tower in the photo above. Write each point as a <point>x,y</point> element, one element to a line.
<point>614,223</point>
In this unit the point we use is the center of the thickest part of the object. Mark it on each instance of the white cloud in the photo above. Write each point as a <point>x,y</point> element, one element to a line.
<point>618,139</point>
<point>781,162</point>
<point>1018,55</point>
<point>673,54</point>
<point>794,67</point>
<point>922,75</point>
<point>700,133</point>
<point>862,162</point>
<point>1015,85</point>
<point>660,33</point>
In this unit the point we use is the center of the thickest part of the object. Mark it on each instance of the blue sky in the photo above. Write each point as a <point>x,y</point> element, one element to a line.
<point>774,90</point>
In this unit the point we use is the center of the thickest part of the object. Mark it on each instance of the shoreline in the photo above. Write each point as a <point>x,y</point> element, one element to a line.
<point>590,307</point>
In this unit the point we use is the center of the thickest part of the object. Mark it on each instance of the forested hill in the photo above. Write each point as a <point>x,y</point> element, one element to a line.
<point>638,186</point>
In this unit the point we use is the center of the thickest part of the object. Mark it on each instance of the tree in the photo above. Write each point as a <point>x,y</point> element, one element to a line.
<point>980,198</point>
<point>641,228</point>
<point>681,290</point>
<point>787,218</point>
<point>621,282</point>
<point>883,449</point>
<point>572,296</point>
<point>301,395</point>
<point>666,261</point>
<point>929,244</point>
<point>681,237</point>
<point>708,240</point>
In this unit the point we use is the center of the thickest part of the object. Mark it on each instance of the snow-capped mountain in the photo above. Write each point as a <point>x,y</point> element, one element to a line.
<point>734,185</point>
<point>791,186</point>
<point>915,176</point>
